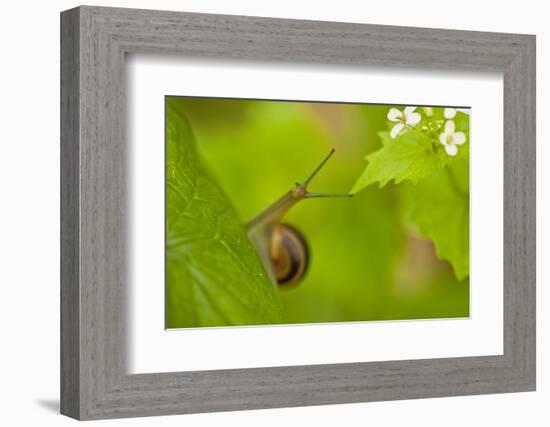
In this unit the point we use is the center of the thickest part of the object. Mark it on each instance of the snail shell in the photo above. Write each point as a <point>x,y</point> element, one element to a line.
<point>289,254</point>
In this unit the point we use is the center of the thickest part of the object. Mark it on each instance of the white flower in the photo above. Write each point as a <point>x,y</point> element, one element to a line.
<point>402,118</point>
<point>450,139</point>
<point>450,113</point>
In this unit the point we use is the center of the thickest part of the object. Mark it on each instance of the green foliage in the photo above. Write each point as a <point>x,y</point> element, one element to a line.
<point>439,206</point>
<point>409,157</point>
<point>213,274</point>
<point>436,198</point>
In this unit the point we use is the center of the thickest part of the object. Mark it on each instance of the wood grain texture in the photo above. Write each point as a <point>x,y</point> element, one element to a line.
<point>94,382</point>
<point>70,314</point>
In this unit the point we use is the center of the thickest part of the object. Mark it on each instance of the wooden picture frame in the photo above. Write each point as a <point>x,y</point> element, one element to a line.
<point>94,41</point>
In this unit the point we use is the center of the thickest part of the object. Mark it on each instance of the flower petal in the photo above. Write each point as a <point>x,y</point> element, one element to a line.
<point>413,119</point>
<point>459,138</point>
<point>394,114</point>
<point>449,113</point>
<point>429,111</point>
<point>408,110</point>
<point>396,129</point>
<point>450,126</point>
<point>443,138</point>
<point>451,149</point>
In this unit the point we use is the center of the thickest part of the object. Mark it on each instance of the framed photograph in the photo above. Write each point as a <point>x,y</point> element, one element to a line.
<point>263,213</point>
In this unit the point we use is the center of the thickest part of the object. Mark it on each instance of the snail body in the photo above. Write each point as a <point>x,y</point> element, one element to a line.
<point>283,249</point>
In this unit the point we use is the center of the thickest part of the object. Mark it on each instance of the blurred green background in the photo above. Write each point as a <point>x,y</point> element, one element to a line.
<point>367,262</point>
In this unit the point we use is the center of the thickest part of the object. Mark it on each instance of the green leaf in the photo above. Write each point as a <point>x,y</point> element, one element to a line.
<point>439,206</point>
<point>407,157</point>
<point>213,274</point>
<point>415,154</point>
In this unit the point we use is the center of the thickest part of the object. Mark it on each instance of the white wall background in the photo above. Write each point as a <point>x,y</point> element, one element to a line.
<point>29,213</point>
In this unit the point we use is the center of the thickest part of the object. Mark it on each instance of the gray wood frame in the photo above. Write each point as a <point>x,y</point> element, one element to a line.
<point>94,41</point>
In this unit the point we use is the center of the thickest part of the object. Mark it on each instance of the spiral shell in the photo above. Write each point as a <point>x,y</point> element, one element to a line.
<point>289,254</point>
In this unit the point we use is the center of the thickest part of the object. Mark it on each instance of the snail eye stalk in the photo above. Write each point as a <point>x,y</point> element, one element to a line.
<point>318,168</point>
<point>314,195</point>
<point>309,195</point>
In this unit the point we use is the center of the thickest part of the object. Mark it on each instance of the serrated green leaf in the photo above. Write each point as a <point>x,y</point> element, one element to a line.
<point>213,274</point>
<point>439,206</point>
<point>407,157</point>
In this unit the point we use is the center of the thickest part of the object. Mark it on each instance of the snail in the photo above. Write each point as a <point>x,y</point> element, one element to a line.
<point>282,248</point>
